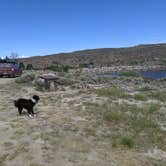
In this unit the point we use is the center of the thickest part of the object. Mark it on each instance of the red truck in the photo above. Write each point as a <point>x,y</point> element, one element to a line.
<point>10,69</point>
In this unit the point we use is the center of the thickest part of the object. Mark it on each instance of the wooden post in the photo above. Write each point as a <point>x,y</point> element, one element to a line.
<point>47,81</point>
<point>47,84</point>
<point>55,85</point>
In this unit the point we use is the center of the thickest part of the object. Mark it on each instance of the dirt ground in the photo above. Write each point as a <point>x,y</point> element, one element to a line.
<point>58,135</point>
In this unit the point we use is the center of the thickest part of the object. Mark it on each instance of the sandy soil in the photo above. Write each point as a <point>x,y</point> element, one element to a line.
<point>57,136</point>
<point>6,80</point>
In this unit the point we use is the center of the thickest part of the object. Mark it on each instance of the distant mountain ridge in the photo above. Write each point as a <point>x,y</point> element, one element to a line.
<point>150,54</point>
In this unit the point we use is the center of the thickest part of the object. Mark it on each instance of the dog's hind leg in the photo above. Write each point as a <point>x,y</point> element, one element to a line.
<point>20,110</point>
<point>29,112</point>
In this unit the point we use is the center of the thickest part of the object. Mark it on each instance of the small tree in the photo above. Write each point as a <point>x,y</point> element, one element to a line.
<point>22,66</point>
<point>66,68</point>
<point>29,67</point>
<point>13,56</point>
<point>7,58</point>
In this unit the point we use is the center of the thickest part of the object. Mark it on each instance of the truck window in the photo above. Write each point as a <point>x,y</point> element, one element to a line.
<point>5,65</point>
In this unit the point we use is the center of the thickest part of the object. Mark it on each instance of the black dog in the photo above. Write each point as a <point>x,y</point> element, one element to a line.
<point>27,104</point>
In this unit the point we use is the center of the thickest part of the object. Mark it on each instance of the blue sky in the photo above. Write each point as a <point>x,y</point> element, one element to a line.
<point>40,27</point>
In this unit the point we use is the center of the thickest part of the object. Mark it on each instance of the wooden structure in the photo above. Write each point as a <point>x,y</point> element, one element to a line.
<point>48,79</point>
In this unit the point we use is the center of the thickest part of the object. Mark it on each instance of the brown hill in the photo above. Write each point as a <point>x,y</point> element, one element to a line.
<point>137,55</point>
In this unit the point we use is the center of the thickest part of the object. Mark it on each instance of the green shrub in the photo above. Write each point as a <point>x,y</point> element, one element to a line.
<point>141,97</point>
<point>158,95</point>
<point>22,66</point>
<point>25,78</point>
<point>39,88</point>
<point>127,141</point>
<point>129,74</point>
<point>29,67</point>
<point>153,108</point>
<point>112,116</point>
<point>139,124</point>
<point>65,69</point>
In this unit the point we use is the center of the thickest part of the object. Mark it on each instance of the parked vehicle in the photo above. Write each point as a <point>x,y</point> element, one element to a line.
<point>10,69</point>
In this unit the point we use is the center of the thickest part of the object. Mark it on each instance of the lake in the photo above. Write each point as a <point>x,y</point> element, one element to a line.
<point>153,74</point>
<point>146,74</point>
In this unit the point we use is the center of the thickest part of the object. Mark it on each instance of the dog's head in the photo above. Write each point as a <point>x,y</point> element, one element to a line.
<point>36,98</point>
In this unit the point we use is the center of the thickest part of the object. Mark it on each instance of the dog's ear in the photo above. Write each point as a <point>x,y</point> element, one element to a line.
<point>36,97</point>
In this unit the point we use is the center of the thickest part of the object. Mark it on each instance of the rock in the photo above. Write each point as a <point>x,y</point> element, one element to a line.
<point>156,154</point>
<point>39,82</point>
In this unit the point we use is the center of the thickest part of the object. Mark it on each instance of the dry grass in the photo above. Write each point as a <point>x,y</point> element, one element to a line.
<point>112,92</point>
<point>82,128</point>
<point>138,122</point>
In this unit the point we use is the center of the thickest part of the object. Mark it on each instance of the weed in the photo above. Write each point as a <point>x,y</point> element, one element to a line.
<point>139,124</point>
<point>129,74</point>
<point>127,141</point>
<point>153,108</point>
<point>3,158</point>
<point>158,95</point>
<point>112,116</point>
<point>112,92</point>
<point>8,145</point>
<point>19,132</point>
<point>141,97</point>
<point>90,131</point>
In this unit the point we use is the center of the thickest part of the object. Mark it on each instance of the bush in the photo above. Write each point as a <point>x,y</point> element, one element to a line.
<point>129,74</point>
<point>25,78</point>
<point>112,116</point>
<point>153,108</point>
<point>66,68</point>
<point>141,97</point>
<point>29,67</point>
<point>128,141</point>
<point>22,66</point>
<point>158,95</point>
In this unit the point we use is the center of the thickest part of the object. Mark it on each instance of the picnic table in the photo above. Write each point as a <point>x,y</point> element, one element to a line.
<point>48,79</point>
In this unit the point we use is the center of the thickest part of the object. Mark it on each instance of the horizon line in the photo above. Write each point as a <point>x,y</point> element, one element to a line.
<point>73,51</point>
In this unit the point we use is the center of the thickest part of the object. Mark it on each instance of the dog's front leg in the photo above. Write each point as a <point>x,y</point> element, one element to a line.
<point>20,110</point>
<point>30,112</point>
<point>33,114</point>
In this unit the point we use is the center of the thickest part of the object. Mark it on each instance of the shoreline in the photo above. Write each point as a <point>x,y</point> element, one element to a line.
<point>102,70</point>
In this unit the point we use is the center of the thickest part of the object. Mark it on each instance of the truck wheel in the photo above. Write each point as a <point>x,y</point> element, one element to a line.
<point>12,76</point>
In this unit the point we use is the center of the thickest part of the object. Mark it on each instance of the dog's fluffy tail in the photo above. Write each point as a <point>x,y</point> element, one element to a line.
<point>15,103</point>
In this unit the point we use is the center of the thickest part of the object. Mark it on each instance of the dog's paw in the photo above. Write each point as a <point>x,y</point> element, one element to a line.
<point>30,115</point>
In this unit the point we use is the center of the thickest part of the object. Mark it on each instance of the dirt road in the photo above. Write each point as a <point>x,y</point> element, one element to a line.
<point>6,80</point>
